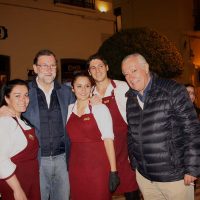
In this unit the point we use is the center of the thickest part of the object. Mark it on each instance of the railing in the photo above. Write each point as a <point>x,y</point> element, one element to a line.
<point>80,3</point>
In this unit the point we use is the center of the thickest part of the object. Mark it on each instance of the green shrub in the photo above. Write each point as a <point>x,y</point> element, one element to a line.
<point>161,54</point>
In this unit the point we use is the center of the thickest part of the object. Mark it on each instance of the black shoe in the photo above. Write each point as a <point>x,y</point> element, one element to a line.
<point>135,195</point>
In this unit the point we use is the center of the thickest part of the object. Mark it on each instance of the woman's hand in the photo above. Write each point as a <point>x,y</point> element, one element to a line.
<point>114,181</point>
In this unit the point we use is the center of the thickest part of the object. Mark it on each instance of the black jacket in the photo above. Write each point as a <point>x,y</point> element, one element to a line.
<point>164,137</point>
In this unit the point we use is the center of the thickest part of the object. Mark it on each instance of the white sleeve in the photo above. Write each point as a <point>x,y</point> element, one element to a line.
<point>120,95</point>
<point>104,121</point>
<point>70,108</point>
<point>7,127</point>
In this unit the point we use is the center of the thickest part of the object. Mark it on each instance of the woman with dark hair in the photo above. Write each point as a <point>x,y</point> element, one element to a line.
<point>92,165</point>
<point>191,91</point>
<point>19,170</point>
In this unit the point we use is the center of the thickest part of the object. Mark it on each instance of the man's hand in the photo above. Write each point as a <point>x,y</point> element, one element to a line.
<point>95,100</point>
<point>5,111</point>
<point>189,180</point>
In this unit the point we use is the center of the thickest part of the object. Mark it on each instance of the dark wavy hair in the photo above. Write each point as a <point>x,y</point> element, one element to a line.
<point>81,74</point>
<point>7,88</point>
<point>189,85</point>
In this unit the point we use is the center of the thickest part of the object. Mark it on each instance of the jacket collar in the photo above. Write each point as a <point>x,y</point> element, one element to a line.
<point>56,84</point>
<point>152,84</point>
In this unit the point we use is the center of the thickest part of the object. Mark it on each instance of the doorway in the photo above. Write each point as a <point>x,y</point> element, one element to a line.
<point>4,69</point>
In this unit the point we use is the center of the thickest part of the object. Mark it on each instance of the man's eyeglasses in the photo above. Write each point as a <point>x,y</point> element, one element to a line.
<point>45,66</point>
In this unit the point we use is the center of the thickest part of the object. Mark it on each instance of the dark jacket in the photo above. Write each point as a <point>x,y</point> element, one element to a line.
<point>65,97</point>
<point>197,110</point>
<point>164,137</point>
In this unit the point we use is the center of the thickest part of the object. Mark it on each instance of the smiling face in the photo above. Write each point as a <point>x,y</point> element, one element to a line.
<point>191,93</point>
<point>98,70</point>
<point>45,68</point>
<point>81,88</point>
<point>18,99</point>
<point>136,73</point>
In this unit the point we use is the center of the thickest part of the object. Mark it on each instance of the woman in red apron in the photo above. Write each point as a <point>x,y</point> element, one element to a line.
<point>92,166</point>
<point>112,94</point>
<point>19,170</point>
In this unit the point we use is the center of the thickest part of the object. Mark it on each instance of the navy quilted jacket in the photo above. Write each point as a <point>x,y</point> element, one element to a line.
<point>164,137</point>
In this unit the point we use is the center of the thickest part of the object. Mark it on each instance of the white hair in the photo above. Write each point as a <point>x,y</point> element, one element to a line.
<point>139,57</point>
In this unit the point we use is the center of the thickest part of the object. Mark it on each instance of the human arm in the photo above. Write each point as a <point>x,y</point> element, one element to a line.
<point>110,151</point>
<point>7,167</point>
<point>16,187</point>
<point>95,100</point>
<point>114,179</point>
<point>6,111</point>
<point>104,123</point>
<point>12,141</point>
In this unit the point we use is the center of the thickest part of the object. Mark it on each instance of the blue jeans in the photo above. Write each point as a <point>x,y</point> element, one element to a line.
<point>54,179</point>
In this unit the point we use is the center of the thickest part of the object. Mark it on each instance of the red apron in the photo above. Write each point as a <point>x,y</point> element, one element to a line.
<point>88,163</point>
<point>127,175</point>
<point>27,170</point>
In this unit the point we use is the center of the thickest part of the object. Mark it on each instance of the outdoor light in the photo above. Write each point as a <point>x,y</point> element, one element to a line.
<point>103,6</point>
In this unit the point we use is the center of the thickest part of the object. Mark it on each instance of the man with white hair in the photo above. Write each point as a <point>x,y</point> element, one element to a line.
<point>163,133</point>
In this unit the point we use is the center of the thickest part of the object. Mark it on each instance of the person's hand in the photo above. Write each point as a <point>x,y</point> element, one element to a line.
<point>20,195</point>
<point>114,181</point>
<point>189,180</point>
<point>5,111</point>
<point>95,100</point>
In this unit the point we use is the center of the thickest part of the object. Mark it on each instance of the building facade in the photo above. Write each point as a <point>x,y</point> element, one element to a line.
<point>72,29</point>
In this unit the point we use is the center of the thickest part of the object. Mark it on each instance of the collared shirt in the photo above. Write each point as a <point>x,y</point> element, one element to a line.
<point>47,94</point>
<point>119,92</point>
<point>141,98</point>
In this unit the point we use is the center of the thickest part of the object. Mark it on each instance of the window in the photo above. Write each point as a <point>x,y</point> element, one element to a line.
<point>69,67</point>
<point>79,3</point>
<point>4,69</point>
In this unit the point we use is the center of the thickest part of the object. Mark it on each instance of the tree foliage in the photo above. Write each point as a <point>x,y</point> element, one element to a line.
<point>161,54</point>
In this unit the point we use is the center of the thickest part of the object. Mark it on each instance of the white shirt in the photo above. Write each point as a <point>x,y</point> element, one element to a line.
<point>47,94</point>
<point>102,117</point>
<point>119,92</point>
<point>12,141</point>
<point>140,102</point>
